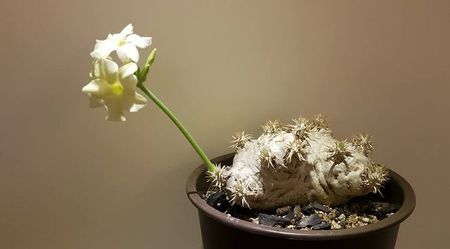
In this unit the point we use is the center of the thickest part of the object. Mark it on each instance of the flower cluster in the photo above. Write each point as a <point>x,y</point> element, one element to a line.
<point>112,85</point>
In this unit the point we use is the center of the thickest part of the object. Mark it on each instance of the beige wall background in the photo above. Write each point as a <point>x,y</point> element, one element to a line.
<point>71,180</point>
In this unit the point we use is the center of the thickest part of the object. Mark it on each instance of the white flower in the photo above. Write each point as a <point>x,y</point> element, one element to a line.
<point>114,88</point>
<point>124,43</point>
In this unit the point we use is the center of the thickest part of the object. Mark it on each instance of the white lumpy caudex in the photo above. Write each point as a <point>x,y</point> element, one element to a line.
<point>297,164</point>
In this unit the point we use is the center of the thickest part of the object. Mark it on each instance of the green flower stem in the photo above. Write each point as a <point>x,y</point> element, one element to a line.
<point>211,167</point>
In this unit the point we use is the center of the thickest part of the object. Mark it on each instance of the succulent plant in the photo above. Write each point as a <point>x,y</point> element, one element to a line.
<point>293,164</point>
<point>296,164</point>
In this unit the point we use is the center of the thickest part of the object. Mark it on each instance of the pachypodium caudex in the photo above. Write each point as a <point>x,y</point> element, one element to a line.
<point>299,163</point>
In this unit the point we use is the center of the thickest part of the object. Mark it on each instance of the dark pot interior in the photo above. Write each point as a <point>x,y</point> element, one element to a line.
<point>220,231</point>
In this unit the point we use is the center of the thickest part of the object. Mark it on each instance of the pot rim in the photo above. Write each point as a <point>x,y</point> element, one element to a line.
<point>407,207</point>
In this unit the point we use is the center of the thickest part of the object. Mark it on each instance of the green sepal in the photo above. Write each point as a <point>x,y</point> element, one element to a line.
<point>150,59</point>
<point>138,74</point>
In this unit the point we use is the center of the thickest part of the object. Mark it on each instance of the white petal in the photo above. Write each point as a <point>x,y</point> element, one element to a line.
<point>96,69</point>
<point>113,116</point>
<point>139,103</point>
<point>103,48</point>
<point>115,110</point>
<point>127,53</point>
<point>129,83</point>
<point>96,87</point>
<point>139,99</point>
<point>139,41</point>
<point>128,30</point>
<point>127,70</point>
<point>108,70</point>
<point>117,39</point>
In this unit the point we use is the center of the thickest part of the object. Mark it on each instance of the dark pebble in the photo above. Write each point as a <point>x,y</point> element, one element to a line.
<point>241,212</point>
<point>354,207</point>
<point>308,221</point>
<point>272,220</point>
<point>308,209</point>
<point>218,201</point>
<point>290,215</point>
<point>321,207</point>
<point>322,226</point>
<point>392,207</point>
<point>283,211</point>
<point>346,211</point>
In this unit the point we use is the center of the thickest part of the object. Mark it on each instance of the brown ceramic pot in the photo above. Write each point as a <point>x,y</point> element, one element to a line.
<point>220,231</point>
